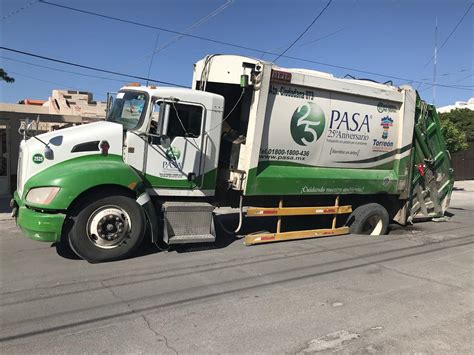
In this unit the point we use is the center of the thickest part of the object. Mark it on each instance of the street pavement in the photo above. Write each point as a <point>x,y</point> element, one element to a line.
<point>410,291</point>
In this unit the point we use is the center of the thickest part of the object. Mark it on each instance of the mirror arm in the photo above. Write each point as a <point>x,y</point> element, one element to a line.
<point>45,144</point>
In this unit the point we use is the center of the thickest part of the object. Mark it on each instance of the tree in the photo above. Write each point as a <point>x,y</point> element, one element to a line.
<point>457,127</point>
<point>4,76</point>
<point>463,119</point>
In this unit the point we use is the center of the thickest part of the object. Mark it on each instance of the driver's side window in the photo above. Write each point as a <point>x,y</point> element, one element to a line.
<point>184,121</point>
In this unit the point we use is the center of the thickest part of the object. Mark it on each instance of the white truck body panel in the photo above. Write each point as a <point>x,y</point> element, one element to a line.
<point>354,124</point>
<point>62,142</point>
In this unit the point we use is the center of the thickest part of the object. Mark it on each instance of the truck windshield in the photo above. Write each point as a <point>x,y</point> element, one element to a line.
<point>128,109</point>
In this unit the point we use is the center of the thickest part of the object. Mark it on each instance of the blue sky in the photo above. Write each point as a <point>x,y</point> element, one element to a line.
<point>388,37</point>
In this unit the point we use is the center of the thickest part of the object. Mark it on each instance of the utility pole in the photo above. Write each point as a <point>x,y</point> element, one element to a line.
<point>152,56</point>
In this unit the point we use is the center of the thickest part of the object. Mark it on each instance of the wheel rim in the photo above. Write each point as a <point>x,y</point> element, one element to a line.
<point>108,226</point>
<point>373,226</point>
<point>378,228</point>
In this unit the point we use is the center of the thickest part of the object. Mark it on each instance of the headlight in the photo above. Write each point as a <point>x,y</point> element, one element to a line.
<point>42,195</point>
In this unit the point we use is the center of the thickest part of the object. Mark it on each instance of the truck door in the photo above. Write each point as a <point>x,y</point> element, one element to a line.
<point>175,168</point>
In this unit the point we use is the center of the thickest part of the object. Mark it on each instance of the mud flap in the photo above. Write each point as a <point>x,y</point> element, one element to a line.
<point>145,201</point>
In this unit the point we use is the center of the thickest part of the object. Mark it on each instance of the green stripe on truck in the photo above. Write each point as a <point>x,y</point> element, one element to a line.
<point>288,178</point>
<point>77,175</point>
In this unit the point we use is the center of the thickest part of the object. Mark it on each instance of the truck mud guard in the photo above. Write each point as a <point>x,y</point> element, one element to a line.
<point>145,201</point>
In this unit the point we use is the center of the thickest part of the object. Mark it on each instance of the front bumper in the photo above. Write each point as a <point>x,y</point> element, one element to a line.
<point>42,226</point>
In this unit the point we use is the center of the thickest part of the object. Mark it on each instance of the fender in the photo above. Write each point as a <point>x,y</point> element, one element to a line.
<point>77,175</point>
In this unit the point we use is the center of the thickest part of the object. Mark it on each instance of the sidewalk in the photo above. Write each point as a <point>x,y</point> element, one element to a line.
<point>466,185</point>
<point>5,209</point>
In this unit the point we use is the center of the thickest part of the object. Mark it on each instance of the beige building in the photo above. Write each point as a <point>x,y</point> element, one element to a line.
<point>62,109</point>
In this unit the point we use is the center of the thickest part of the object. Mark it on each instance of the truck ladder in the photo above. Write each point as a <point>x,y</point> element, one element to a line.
<point>281,211</point>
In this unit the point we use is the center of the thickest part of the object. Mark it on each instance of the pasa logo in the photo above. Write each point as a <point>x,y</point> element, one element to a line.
<point>173,153</point>
<point>307,123</point>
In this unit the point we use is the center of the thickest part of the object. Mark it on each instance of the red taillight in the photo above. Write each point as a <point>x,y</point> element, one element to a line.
<point>104,147</point>
<point>421,169</point>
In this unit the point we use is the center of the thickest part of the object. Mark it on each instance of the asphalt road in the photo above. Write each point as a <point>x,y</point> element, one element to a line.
<point>409,291</point>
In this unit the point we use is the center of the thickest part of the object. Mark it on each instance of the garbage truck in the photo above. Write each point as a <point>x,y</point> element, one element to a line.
<point>265,140</point>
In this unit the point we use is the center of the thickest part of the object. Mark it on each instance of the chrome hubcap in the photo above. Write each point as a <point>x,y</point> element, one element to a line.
<point>108,226</point>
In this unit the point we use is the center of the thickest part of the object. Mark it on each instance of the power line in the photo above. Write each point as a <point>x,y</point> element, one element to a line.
<point>51,82</point>
<point>152,57</point>
<point>457,72</point>
<point>178,37</point>
<point>142,24</point>
<point>450,34</point>
<point>231,44</point>
<point>309,42</point>
<point>465,78</point>
<point>196,24</point>
<point>463,87</point>
<point>13,13</point>
<point>211,40</point>
<point>323,37</point>
<point>89,67</point>
<point>62,70</point>
<point>302,33</point>
<point>456,27</point>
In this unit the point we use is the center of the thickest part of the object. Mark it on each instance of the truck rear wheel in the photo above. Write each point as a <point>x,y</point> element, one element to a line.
<point>106,229</point>
<point>369,219</point>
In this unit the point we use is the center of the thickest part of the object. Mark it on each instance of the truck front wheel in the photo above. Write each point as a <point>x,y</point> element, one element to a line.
<point>369,219</point>
<point>106,229</point>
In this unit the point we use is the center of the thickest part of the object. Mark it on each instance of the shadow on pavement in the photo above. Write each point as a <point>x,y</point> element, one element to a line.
<point>226,224</point>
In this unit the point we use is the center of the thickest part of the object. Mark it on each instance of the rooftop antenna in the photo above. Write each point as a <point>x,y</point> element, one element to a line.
<point>435,59</point>
<point>152,56</point>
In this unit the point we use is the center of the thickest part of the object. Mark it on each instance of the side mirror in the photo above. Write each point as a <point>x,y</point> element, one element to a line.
<point>110,102</point>
<point>164,119</point>
<point>48,153</point>
<point>165,141</point>
<point>57,141</point>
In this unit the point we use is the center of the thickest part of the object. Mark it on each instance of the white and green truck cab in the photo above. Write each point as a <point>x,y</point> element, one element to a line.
<point>247,133</point>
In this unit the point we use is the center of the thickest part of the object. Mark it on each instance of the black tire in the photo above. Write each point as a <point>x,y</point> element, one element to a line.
<point>117,217</point>
<point>369,219</point>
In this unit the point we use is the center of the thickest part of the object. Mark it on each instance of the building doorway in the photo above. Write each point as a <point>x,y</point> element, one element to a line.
<point>4,158</point>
